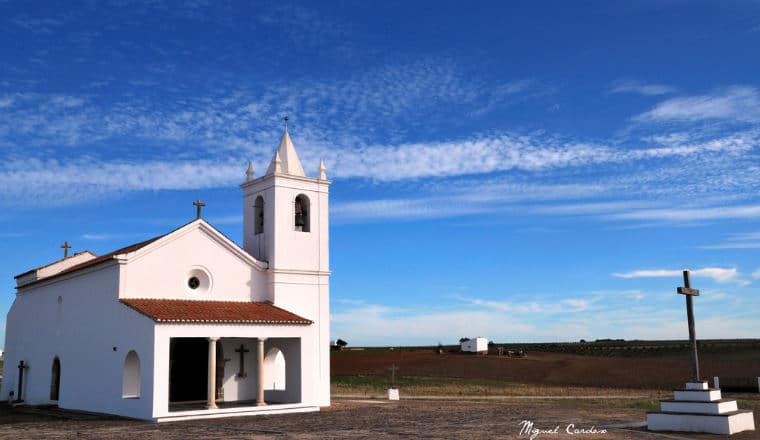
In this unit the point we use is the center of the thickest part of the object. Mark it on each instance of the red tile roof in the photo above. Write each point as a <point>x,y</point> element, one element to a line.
<point>186,311</point>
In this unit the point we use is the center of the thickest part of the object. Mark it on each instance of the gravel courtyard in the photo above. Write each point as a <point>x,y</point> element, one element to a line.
<point>349,419</point>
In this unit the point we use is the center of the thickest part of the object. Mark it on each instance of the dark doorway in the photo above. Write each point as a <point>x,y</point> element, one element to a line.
<point>55,381</point>
<point>188,369</point>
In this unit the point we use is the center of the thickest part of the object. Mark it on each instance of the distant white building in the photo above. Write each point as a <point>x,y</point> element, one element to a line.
<point>475,345</point>
<point>187,325</point>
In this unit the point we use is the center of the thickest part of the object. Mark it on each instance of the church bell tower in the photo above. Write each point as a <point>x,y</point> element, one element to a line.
<point>285,214</point>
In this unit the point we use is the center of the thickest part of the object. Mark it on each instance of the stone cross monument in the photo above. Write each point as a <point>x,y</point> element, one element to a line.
<point>696,407</point>
<point>690,293</point>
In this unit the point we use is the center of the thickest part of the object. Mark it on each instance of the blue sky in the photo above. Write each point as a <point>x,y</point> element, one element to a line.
<point>523,171</point>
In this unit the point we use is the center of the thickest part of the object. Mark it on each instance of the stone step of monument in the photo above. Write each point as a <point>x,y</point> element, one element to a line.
<point>709,395</point>
<point>692,389</point>
<point>702,385</point>
<point>722,406</point>
<point>728,423</point>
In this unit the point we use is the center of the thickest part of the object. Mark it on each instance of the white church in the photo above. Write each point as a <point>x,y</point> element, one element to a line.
<point>187,325</point>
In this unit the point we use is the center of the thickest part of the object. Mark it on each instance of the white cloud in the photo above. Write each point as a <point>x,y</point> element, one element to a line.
<point>570,305</point>
<point>691,214</point>
<point>399,209</point>
<point>6,101</point>
<point>739,103</point>
<point>43,25</point>
<point>718,274</point>
<point>506,321</point>
<point>732,245</point>
<point>380,325</point>
<point>746,240</point>
<point>54,182</point>
<point>638,87</point>
<point>508,152</point>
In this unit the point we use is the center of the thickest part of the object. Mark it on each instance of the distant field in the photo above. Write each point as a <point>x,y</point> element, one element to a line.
<point>611,365</point>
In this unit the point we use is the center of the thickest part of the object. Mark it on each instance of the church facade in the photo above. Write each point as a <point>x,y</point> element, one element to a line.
<point>189,324</point>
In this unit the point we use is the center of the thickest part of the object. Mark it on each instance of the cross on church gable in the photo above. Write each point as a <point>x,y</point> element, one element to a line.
<point>65,246</point>
<point>198,207</point>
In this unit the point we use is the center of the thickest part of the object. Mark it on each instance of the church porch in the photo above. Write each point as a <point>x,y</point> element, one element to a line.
<point>246,372</point>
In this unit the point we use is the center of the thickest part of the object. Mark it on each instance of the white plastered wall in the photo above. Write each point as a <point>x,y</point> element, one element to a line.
<point>232,279</point>
<point>82,331</point>
<point>308,296</point>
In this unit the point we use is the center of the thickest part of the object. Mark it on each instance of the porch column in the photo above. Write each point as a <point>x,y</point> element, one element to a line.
<point>211,373</point>
<point>260,382</point>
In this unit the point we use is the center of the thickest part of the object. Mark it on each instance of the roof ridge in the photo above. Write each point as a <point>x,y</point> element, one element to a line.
<point>56,262</point>
<point>127,249</point>
<point>195,300</point>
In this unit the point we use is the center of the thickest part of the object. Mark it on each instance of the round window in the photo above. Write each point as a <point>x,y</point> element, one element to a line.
<point>198,280</point>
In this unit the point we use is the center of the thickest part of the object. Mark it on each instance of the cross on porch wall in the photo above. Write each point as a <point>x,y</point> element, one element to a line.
<point>242,350</point>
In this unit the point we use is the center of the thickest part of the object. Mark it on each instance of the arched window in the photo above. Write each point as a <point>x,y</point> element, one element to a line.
<point>259,215</point>
<point>55,380</point>
<point>130,388</point>
<point>302,219</point>
<point>274,370</point>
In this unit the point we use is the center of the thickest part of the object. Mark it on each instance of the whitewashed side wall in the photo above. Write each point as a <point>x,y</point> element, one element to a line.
<point>163,272</point>
<point>296,250</point>
<point>304,378</point>
<point>280,244</point>
<point>308,296</point>
<point>82,331</point>
<point>259,245</point>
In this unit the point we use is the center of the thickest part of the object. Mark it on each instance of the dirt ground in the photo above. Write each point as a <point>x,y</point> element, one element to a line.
<point>665,371</point>
<point>350,419</point>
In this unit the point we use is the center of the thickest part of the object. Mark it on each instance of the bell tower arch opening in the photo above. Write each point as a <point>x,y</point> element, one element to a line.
<point>302,209</point>
<point>258,215</point>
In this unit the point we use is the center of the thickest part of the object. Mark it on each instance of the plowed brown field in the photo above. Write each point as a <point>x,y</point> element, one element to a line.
<point>663,372</point>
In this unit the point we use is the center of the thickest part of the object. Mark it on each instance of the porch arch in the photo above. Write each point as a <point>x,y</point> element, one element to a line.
<point>274,370</point>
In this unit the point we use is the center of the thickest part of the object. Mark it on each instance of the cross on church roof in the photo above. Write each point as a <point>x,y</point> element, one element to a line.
<point>199,206</point>
<point>285,119</point>
<point>65,246</point>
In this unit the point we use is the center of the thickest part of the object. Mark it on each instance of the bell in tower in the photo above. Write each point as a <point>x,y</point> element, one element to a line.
<point>301,214</point>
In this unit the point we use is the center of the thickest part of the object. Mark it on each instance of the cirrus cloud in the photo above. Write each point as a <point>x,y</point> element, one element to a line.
<point>719,274</point>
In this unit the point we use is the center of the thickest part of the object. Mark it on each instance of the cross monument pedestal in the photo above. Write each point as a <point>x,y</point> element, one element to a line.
<point>697,407</point>
<point>393,390</point>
